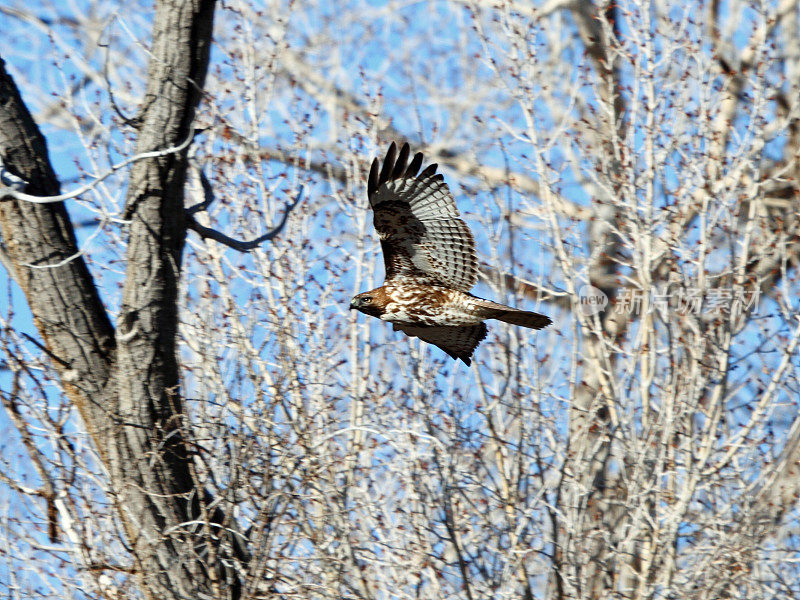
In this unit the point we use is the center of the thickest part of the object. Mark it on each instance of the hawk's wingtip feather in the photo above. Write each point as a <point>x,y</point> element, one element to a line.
<point>429,171</point>
<point>415,165</point>
<point>372,181</point>
<point>402,160</point>
<point>388,164</point>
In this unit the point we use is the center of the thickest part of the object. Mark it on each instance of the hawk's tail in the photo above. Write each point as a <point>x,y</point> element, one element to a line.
<point>522,317</point>
<point>513,316</point>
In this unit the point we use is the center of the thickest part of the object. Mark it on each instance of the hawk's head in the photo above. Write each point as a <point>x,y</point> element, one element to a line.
<point>371,303</point>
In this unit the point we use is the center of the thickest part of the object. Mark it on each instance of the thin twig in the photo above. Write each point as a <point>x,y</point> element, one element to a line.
<point>46,350</point>
<point>10,192</point>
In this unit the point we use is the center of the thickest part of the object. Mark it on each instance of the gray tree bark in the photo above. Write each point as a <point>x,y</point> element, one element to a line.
<point>126,383</point>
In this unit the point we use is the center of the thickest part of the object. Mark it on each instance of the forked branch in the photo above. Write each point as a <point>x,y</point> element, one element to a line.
<point>240,245</point>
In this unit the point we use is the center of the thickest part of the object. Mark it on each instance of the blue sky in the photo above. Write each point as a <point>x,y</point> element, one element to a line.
<point>331,208</point>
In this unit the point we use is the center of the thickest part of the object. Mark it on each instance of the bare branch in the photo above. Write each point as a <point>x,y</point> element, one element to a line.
<point>240,245</point>
<point>208,195</point>
<point>13,192</point>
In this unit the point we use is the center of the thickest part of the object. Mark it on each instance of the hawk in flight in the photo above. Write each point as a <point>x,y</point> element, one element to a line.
<point>430,261</point>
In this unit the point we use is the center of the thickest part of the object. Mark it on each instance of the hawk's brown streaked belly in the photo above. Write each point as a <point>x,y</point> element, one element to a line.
<point>429,305</point>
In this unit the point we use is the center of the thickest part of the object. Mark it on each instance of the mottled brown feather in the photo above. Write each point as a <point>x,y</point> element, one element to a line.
<point>422,236</point>
<point>457,342</point>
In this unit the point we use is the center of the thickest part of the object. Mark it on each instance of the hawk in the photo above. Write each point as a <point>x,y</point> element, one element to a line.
<point>429,254</point>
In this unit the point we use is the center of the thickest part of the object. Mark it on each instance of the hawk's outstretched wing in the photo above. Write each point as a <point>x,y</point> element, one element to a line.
<point>417,221</point>
<point>458,342</point>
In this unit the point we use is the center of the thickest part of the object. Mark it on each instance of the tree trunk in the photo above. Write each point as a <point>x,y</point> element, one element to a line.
<point>126,389</point>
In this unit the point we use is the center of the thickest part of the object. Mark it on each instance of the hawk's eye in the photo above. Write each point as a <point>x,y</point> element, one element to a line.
<point>366,299</point>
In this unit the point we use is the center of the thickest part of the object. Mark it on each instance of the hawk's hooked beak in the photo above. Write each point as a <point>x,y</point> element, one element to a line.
<point>353,304</point>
